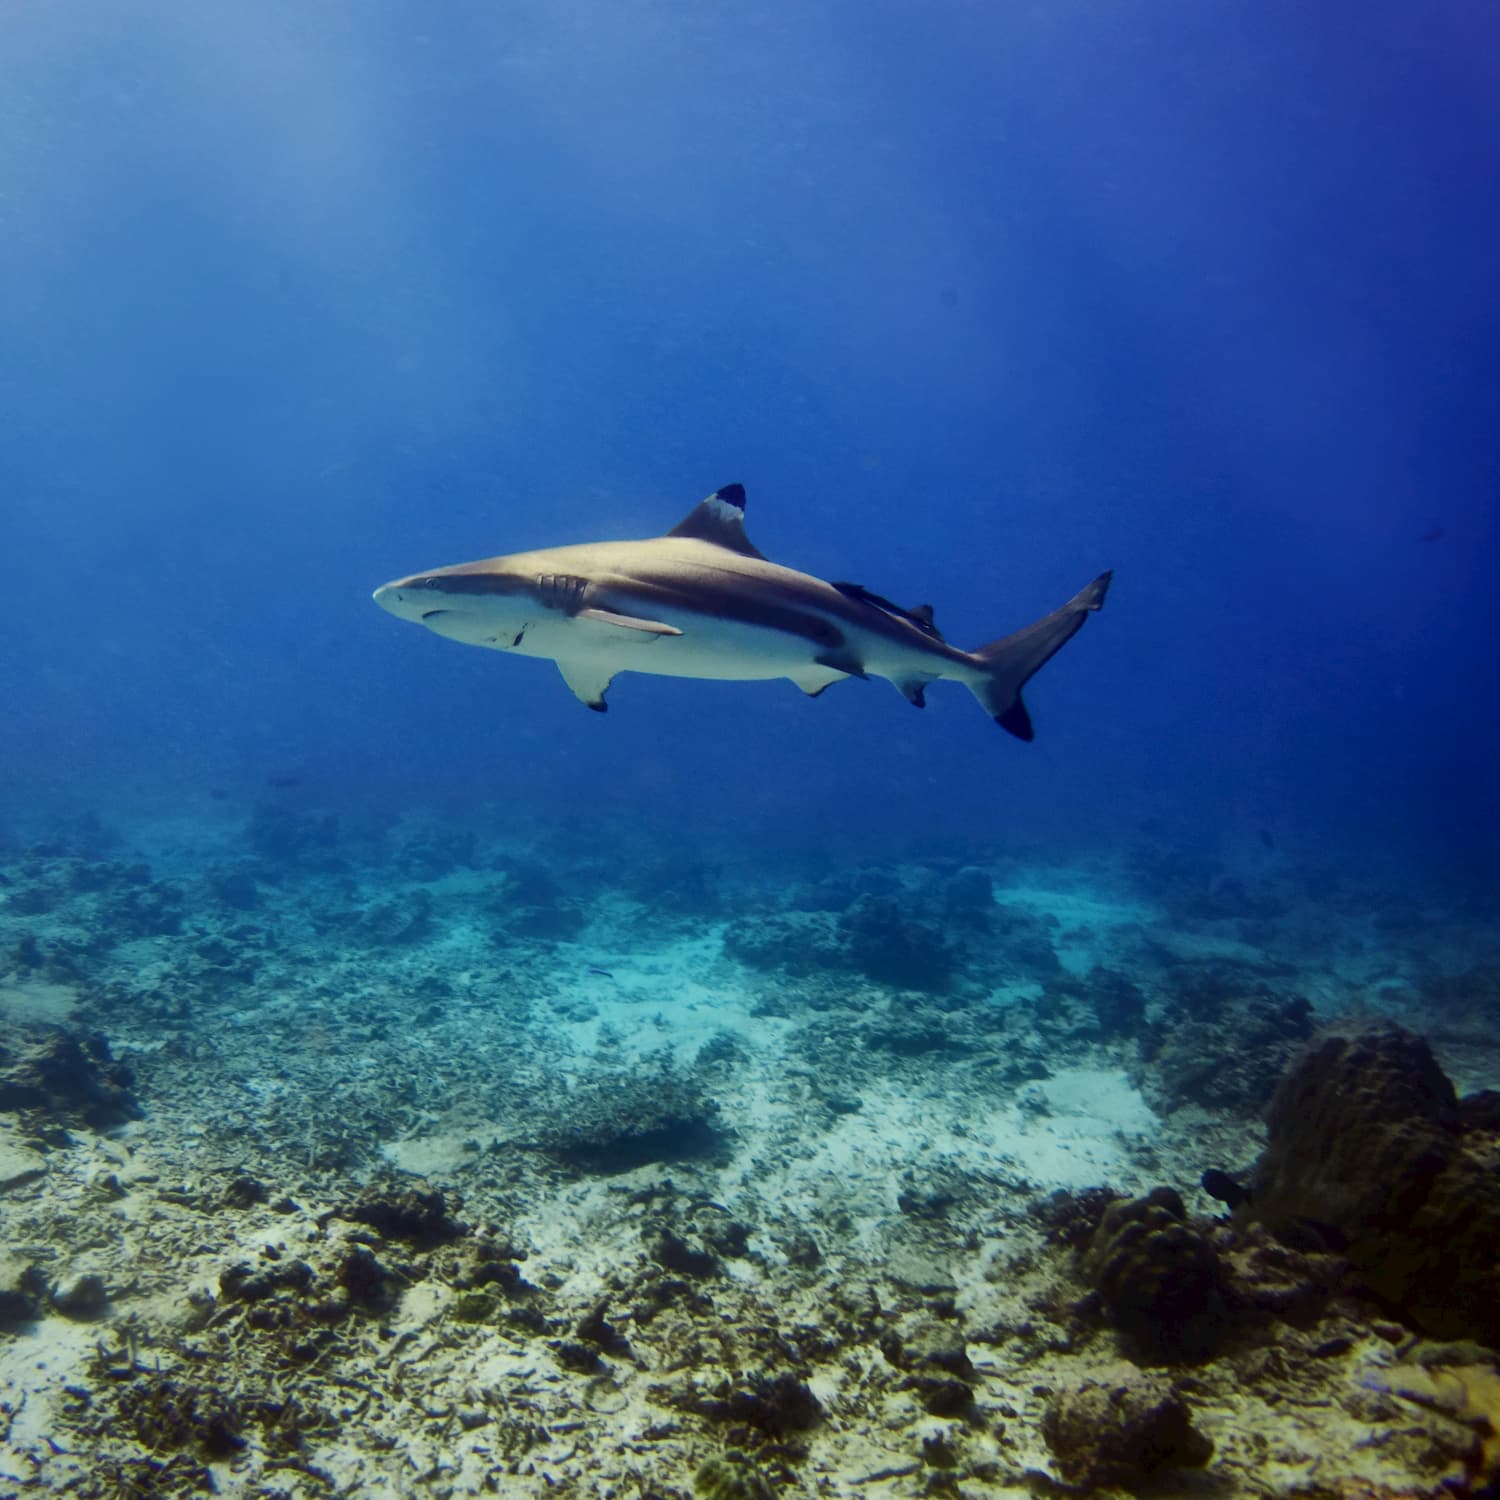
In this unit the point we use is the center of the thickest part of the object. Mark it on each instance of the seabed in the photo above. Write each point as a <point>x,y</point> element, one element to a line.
<point>439,1162</point>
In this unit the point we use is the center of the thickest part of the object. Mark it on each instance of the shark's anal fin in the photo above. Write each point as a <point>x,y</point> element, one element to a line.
<point>589,682</point>
<point>626,622</point>
<point>721,520</point>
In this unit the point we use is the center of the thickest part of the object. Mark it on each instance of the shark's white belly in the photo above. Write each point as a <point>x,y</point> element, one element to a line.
<point>717,649</point>
<point>724,649</point>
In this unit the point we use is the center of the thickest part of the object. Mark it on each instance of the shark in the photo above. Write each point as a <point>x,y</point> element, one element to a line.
<point>702,601</point>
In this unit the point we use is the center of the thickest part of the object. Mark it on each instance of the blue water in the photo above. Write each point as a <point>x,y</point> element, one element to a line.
<point>976,301</point>
<point>812,1003</point>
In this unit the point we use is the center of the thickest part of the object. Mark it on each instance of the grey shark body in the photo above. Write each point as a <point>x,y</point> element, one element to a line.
<point>701,601</point>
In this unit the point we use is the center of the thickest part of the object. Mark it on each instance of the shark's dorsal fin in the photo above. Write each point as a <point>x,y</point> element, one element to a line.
<point>721,520</point>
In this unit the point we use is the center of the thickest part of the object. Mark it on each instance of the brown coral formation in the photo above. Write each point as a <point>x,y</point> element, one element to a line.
<point>1122,1433</point>
<point>1163,1285</point>
<point>1368,1151</point>
<point>68,1077</point>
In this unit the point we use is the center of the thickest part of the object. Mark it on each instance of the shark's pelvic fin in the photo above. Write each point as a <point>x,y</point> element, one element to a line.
<point>626,622</point>
<point>589,682</point>
<point>721,520</point>
<point>818,677</point>
<point>843,660</point>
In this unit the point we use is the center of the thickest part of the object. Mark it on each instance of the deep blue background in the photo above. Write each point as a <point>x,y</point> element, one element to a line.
<point>974,299</point>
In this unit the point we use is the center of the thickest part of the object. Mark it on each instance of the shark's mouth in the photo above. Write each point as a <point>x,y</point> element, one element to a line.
<point>432,614</point>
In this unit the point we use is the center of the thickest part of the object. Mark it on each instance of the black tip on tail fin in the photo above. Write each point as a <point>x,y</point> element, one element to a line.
<point>1012,662</point>
<point>1017,721</point>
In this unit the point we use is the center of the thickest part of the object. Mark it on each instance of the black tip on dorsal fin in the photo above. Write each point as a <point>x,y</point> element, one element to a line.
<point>923,614</point>
<point>720,520</point>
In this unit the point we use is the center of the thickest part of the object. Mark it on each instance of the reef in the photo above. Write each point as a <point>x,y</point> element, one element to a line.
<point>620,1124</point>
<point>1368,1153</point>
<point>1162,1283</point>
<point>413,1214</point>
<point>66,1077</point>
<point>732,1476</point>
<point>937,935</point>
<point>1122,1434</point>
<point>436,1169</point>
<point>1220,1047</point>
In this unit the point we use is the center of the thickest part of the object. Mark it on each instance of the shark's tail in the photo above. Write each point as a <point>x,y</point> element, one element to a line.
<point>1010,663</point>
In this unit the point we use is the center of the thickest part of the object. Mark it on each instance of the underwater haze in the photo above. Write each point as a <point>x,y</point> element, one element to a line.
<point>977,302</point>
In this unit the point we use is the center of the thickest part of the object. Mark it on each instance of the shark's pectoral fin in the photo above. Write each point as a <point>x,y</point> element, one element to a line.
<point>589,682</point>
<point>626,622</point>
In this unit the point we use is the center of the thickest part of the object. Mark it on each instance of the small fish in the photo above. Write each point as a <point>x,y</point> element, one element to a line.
<point>602,973</point>
<point>283,780</point>
<point>1432,534</point>
<point>1266,839</point>
<point>1219,1184</point>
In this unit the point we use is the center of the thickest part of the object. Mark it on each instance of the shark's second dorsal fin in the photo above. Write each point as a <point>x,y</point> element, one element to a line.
<point>721,520</point>
<point>921,616</point>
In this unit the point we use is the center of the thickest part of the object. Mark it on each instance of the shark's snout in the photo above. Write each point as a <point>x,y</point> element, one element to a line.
<point>424,599</point>
<point>388,597</point>
<point>404,598</point>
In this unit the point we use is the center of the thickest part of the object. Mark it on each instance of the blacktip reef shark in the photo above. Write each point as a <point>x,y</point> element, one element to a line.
<point>702,601</point>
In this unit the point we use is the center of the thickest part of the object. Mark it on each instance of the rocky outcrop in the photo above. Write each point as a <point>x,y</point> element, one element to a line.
<point>1368,1152</point>
<point>1229,1058</point>
<point>71,1079</point>
<point>616,1125</point>
<point>1122,1433</point>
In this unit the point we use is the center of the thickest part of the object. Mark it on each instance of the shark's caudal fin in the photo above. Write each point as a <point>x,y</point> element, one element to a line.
<point>1011,662</point>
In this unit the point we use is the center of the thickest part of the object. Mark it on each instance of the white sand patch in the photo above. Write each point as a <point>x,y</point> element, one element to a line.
<point>433,1156</point>
<point>1202,947</point>
<point>35,1000</point>
<point>19,1163</point>
<point>34,1367</point>
<point>655,1003</point>
<point>1099,1101</point>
